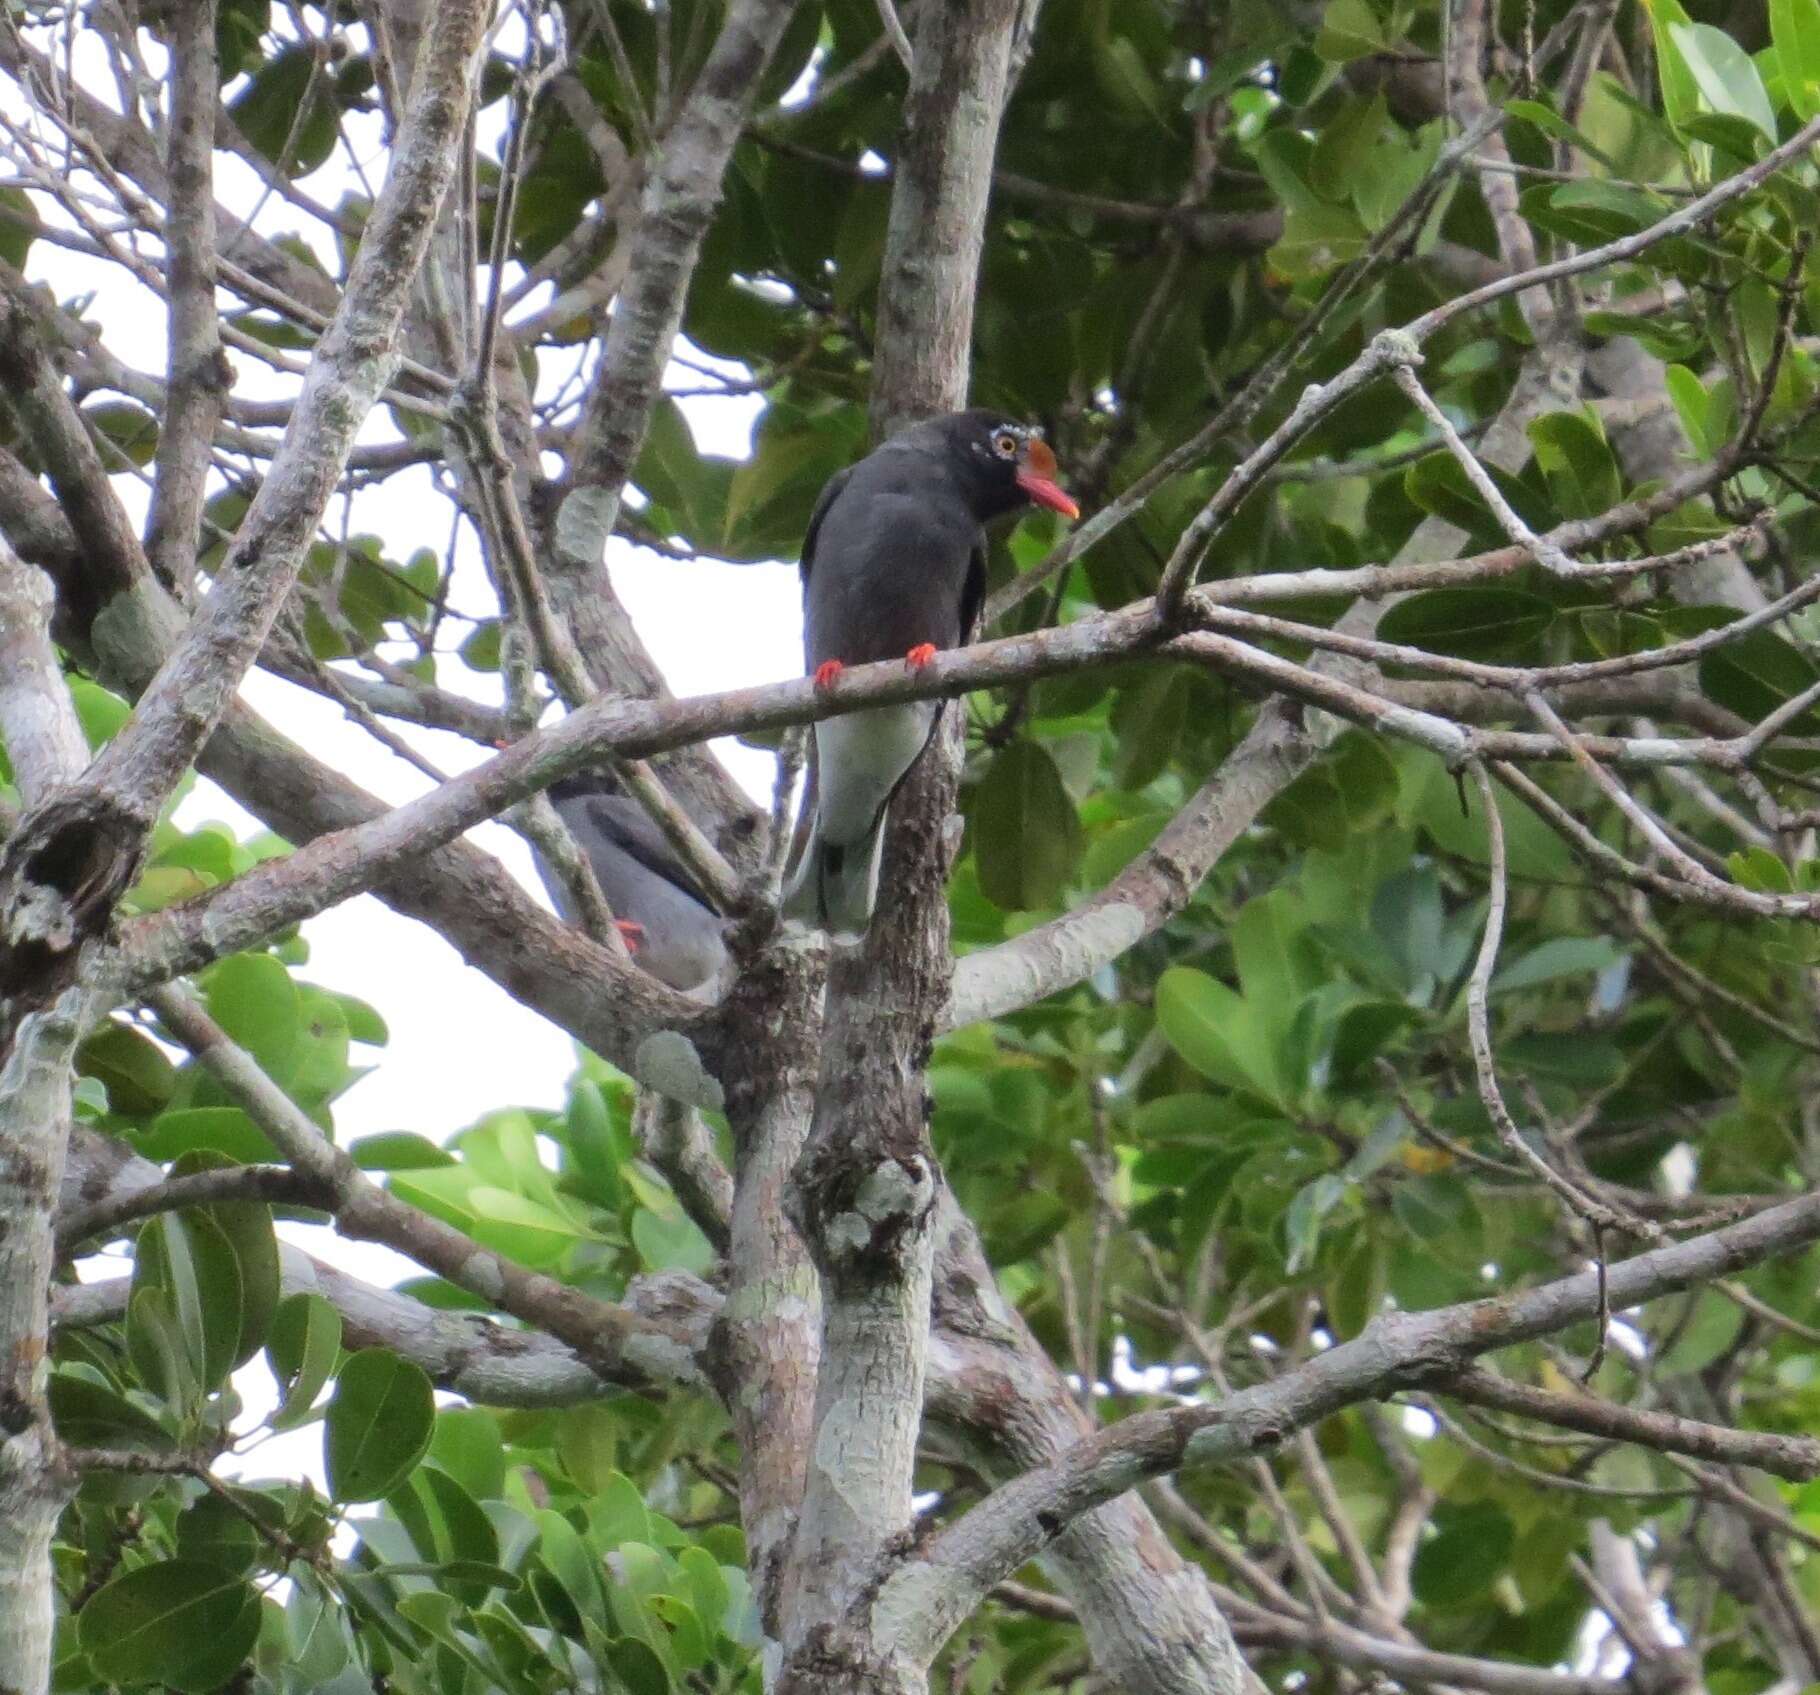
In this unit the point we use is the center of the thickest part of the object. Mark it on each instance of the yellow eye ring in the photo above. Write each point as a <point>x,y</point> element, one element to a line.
<point>1004,444</point>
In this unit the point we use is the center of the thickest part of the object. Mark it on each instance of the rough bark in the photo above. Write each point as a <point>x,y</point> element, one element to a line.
<point>46,747</point>
<point>868,1183</point>
<point>769,1332</point>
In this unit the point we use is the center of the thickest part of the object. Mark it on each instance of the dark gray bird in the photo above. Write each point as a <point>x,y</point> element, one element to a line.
<point>894,567</point>
<point>671,927</point>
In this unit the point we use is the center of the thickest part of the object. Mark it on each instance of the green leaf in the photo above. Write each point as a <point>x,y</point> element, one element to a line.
<point>1148,721</point>
<point>129,430</point>
<point>1274,965</point>
<point>189,1257</point>
<point>1347,140</point>
<point>670,1241</point>
<point>708,1591</point>
<point>467,1445</point>
<point>596,1145</point>
<point>102,712</point>
<point>398,1150</point>
<point>669,464</point>
<point>1471,623</point>
<point>1350,29</point>
<point>1456,1566</point>
<point>1572,451</point>
<point>1552,124</point>
<point>85,1414</point>
<point>247,1228</point>
<point>1680,90</point>
<point>1220,1034</point>
<point>1362,1033</point>
<point>224,1130</point>
<point>1435,1209</point>
<point>1026,833</point>
<point>252,997</point>
<point>1023,1227</point>
<point>1302,1220</point>
<point>1591,212</point>
<point>1757,673</point>
<point>1562,956</point>
<point>378,1425</point>
<point>1710,1330</point>
<point>302,1345</point>
<point>1724,74</point>
<point>1126,80</point>
<point>288,112</point>
<point>1794,30</point>
<point>1758,868</point>
<point>19,225</point>
<point>637,1667</point>
<point>479,649</point>
<point>1318,238</point>
<point>447,1524</point>
<point>188,1623</point>
<point>1439,484</point>
<point>155,1346</point>
<point>138,1075</point>
<point>214,1530</point>
<point>1355,1292</point>
<point>522,1229</point>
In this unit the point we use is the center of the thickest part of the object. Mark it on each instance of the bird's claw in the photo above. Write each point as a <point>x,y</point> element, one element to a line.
<point>920,655</point>
<point>826,672</point>
<point>631,932</point>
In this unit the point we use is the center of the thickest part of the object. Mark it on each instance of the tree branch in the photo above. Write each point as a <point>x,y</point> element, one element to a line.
<point>1395,1351</point>
<point>1794,1457</point>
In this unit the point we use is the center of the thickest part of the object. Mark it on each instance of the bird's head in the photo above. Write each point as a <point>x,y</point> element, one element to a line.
<point>1001,464</point>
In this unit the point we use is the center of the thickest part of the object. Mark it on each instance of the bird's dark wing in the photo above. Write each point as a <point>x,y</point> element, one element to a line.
<point>618,821</point>
<point>973,592</point>
<point>829,494</point>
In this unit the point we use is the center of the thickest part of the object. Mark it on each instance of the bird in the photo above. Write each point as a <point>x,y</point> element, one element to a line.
<point>671,927</point>
<point>894,567</point>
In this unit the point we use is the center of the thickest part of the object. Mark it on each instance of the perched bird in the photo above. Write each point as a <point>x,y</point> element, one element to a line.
<point>671,927</point>
<point>894,567</point>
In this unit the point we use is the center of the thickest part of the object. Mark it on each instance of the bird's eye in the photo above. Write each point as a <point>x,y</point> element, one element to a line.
<point>1004,444</point>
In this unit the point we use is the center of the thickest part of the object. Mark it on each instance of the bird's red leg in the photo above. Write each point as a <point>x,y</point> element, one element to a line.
<point>632,932</point>
<point>826,672</point>
<point>920,655</point>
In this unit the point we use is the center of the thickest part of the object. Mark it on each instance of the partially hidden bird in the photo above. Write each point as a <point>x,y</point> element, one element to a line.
<point>671,927</point>
<point>894,567</point>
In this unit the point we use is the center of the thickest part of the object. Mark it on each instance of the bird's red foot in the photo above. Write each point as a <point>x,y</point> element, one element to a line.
<point>631,932</point>
<point>826,672</point>
<point>920,655</point>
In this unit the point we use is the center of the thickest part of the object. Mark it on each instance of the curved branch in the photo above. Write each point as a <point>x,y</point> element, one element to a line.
<point>1396,1351</point>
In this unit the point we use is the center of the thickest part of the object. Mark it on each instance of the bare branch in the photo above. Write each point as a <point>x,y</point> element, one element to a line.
<point>1793,1457</point>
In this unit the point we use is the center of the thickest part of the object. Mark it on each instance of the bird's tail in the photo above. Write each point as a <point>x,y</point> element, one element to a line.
<point>836,884</point>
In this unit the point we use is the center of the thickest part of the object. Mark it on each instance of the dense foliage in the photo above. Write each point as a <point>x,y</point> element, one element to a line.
<point>1255,1124</point>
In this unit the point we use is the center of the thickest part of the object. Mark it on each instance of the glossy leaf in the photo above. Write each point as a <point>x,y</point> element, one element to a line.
<point>1501,624</point>
<point>1026,832</point>
<point>186,1623</point>
<point>378,1425</point>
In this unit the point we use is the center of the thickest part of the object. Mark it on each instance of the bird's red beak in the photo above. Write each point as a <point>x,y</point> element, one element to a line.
<point>1036,477</point>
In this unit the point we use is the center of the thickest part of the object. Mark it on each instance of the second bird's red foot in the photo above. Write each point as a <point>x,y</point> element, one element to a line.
<point>920,655</point>
<point>631,932</point>
<point>826,672</point>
